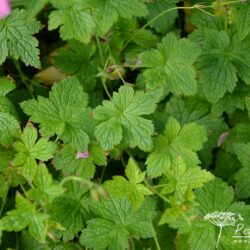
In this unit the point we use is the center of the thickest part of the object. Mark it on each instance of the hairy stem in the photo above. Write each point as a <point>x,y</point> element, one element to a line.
<point>25,80</point>
<point>196,6</point>
<point>218,239</point>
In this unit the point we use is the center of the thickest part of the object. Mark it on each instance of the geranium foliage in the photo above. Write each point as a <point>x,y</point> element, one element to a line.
<point>124,124</point>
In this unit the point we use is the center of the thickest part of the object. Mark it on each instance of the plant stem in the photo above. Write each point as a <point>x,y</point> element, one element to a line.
<point>23,77</point>
<point>2,206</point>
<point>152,21</point>
<point>102,174</point>
<point>123,162</point>
<point>228,3</point>
<point>99,49</point>
<point>103,80</point>
<point>196,6</point>
<point>218,239</point>
<point>120,76</point>
<point>131,243</point>
<point>153,231</point>
<point>78,179</point>
<point>17,241</point>
<point>156,192</point>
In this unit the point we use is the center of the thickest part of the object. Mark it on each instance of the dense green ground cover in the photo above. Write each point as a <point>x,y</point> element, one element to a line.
<point>124,124</point>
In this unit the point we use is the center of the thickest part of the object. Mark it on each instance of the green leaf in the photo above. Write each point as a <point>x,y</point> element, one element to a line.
<point>67,161</point>
<point>226,165</point>
<point>71,213</point>
<point>166,21</point>
<point>238,134</point>
<point>171,65</point>
<point>214,196</point>
<point>9,128</point>
<point>25,215</point>
<point>241,18</point>
<point>120,187</point>
<point>6,86</point>
<point>242,188</point>
<point>27,242</point>
<point>116,221</point>
<point>74,20</point>
<point>44,189</point>
<point>133,172</point>
<point>218,74</point>
<point>193,109</point>
<point>144,38</point>
<point>221,59</point>
<point>175,142</point>
<point>64,113</point>
<point>107,12</point>
<point>121,118</point>
<point>29,149</point>
<point>33,7</point>
<point>181,181</point>
<point>6,106</point>
<point>230,102</point>
<point>77,59</point>
<point>16,38</point>
<point>202,237</point>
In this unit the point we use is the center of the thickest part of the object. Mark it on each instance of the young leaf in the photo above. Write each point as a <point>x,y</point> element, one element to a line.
<point>29,149</point>
<point>64,113</point>
<point>121,118</point>
<point>132,188</point>
<point>175,142</point>
<point>116,221</point>
<point>133,172</point>
<point>193,109</point>
<point>171,65</point>
<point>16,38</point>
<point>44,190</point>
<point>181,181</point>
<point>25,215</point>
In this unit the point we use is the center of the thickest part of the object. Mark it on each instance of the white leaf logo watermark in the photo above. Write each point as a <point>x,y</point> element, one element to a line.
<point>222,219</point>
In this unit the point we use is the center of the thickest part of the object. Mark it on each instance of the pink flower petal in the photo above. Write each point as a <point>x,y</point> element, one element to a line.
<point>83,155</point>
<point>222,138</point>
<point>4,8</point>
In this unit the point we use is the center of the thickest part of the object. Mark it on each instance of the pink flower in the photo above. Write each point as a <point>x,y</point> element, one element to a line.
<point>83,155</point>
<point>222,138</point>
<point>4,8</point>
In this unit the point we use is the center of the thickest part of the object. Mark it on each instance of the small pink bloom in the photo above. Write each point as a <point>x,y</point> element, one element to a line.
<point>109,69</point>
<point>222,138</point>
<point>4,8</point>
<point>83,155</point>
